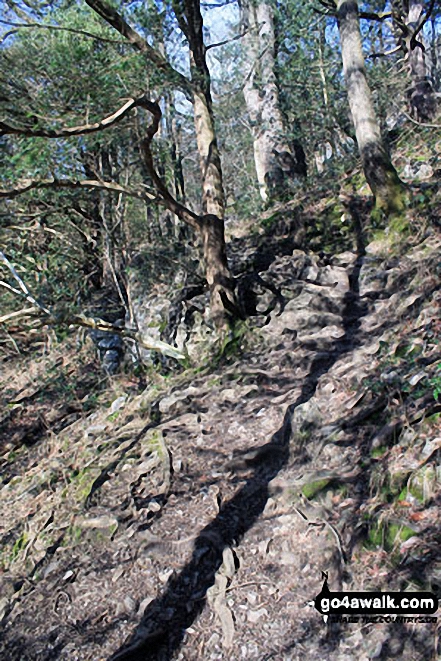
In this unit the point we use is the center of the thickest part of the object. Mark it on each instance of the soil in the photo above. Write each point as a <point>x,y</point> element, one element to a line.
<point>199,518</point>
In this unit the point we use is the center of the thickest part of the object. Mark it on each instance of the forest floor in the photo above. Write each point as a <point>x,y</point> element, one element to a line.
<point>194,519</point>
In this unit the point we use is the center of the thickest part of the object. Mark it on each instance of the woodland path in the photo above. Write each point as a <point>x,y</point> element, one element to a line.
<point>203,532</point>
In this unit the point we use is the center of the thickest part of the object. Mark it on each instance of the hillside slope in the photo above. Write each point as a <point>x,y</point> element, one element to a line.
<point>194,520</point>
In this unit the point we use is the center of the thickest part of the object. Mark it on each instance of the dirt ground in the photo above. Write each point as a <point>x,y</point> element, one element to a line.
<point>194,520</point>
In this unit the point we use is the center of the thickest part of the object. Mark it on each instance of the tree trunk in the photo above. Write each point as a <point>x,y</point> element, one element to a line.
<point>381,176</point>
<point>222,297</point>
<point>223,306</point>
<point>211,225</point>
<point>213,199</point>
<point>275,160</point>
<point>421,95</point>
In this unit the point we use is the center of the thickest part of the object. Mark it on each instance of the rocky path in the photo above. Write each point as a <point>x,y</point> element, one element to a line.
<point>202,532</point>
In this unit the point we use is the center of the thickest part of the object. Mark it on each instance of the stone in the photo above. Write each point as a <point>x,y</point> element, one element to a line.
<point>111,361</point>
<point>118,404</point>
<point>111,342</point>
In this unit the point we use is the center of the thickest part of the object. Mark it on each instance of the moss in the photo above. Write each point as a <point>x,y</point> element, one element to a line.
<point>396,481</point>
<point>19,545</point>
<point>375,536</point>
<point>396,533</point>
<point>399,224</point>
<point>83,481</point>
<point>423,483</point>
<point>376,453</point>
<point>73,535</point>
<point>403,494</point>
<point>388,535</point>
<point>389,486</point>
<point>313,488</point>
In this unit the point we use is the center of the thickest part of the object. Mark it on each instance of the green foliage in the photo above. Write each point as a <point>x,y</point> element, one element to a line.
<point>388,535</point>
<point>434,382</point>
<point>312,489</point>
<point>19,546</point>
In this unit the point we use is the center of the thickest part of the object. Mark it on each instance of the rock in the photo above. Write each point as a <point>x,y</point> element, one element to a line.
<point>143,605</point>
<point>255,616</point>
<point>100,522</point>
<point>4,606</point>
<point>118,404</point>
<point>165,575</point>
<point>424,172</point>
<point>69,576</point>
<point>114,342</point>
<point>111,361</point>
<point>306,415</point>
<point>334,275</point>
<point>94,430</point>
<point>130,604</point>
<point>344,259</point>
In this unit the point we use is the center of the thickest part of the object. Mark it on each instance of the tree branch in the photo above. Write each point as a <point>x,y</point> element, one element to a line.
<point>422,22</point>
<point>389,52</point>
<point>373,16</point>
<point>30,184</point>
<point>43,26</point>
<point>110,120</point>
<point>227,41</point>
<point>415,121</point>
<point>167,198</point>
<point>163,197</point>
<point>331,5</point>
<point>115,19</point>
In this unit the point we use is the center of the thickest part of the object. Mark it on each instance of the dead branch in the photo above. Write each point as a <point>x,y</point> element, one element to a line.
<point>23,291</point>
<point>26,312</point>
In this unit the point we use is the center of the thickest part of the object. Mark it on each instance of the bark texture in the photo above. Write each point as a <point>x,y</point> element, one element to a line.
<point>276,161</point>
<point>381,176</point>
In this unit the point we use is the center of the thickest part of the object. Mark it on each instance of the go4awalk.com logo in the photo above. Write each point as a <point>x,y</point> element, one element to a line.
<point>396,605</point>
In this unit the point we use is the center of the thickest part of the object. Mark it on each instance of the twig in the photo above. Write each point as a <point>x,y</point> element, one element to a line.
<point>24,290</point>
<point>227,41</point>
<point>423,124</point>
<point>18,313</point>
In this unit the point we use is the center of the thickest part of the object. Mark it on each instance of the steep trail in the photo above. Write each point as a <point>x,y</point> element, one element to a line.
<point>203,533</point>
